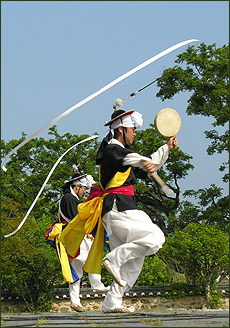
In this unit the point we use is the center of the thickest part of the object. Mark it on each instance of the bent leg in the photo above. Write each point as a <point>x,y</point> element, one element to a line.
<point>132,236</point>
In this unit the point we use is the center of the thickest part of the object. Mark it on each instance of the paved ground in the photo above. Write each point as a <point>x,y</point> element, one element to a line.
<point>166,318</point>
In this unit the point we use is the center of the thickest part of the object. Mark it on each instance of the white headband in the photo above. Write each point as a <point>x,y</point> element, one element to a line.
<point>86,181</point>
<point>133,120</point>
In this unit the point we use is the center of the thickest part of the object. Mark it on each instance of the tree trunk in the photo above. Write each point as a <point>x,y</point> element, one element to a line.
<point>208,295</point>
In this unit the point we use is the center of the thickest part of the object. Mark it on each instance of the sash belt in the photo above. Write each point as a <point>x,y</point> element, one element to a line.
<point>97,191</point>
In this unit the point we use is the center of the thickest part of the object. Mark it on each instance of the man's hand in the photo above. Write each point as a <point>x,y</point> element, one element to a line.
<point>172,142</point>
<point>150,167</point>
<point>90,236</point>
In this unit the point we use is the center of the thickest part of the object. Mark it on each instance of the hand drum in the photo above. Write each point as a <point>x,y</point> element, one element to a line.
<point>167,122</point>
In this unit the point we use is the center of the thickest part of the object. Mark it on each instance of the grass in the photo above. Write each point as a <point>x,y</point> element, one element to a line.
<point>151,322</point>
<point>41,321</point>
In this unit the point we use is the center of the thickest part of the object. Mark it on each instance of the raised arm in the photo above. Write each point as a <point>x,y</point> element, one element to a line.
<point>157,159</point>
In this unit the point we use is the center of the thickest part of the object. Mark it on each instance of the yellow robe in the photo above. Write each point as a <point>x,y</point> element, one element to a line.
<point>89,214</point>
<point>54,235</point>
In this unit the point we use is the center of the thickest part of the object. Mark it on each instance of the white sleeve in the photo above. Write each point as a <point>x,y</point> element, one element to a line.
<point>158,158</point>
<point>135,160</point>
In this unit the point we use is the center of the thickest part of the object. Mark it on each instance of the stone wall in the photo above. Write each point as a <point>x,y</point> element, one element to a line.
<point>143,303</point>
<point>141,297</point>
<point>140,303</point>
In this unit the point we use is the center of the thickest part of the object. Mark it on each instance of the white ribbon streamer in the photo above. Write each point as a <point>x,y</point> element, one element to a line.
<point>44,184</point>
<point>84,101</point>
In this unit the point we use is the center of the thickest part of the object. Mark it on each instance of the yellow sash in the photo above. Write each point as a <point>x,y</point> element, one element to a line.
<point>63,257</point>
<point>89,214</point>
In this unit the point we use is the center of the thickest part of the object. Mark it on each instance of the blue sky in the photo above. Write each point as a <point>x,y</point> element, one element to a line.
<point>57,53</point>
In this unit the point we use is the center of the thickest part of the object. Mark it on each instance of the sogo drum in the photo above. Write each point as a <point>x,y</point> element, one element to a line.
<point>167,122</point>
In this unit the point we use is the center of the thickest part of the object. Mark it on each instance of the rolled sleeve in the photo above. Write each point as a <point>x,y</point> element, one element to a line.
<point>158,158</point>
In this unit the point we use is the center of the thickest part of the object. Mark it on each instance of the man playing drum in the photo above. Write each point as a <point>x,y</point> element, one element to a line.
<point>132,233</point>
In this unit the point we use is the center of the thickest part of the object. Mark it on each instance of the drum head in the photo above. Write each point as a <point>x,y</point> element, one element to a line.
<point>167,122</point>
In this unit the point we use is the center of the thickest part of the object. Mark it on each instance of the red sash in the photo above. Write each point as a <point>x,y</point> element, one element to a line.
<point>96,191</point>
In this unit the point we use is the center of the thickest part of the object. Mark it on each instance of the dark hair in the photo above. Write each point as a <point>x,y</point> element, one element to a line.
<point>116,132</point>
<point>67,185</point>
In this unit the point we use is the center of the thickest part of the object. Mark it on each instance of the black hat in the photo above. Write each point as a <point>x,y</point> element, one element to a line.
<point>119,113</point>
<point>75,176</point>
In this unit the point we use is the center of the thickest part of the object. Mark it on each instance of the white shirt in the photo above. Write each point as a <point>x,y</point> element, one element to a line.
<point>136,160</point>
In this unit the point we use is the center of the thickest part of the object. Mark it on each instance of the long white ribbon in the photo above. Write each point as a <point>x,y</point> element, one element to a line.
<point>110,85</point>
<point>46,180</point>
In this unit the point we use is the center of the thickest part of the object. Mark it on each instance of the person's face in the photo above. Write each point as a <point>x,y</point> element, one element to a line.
<point>129,136</point>
<point>79,191</point>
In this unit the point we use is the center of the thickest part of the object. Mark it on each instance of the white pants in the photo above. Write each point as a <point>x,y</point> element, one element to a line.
<point>132,236</point>
<point>78,263</point>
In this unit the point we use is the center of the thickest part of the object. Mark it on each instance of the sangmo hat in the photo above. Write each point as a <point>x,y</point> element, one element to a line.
<point>117,114</point>
<point>75,177</point>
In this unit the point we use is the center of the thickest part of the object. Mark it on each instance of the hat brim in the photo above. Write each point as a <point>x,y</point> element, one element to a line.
<point>118,117</point>
<point>77,178</point>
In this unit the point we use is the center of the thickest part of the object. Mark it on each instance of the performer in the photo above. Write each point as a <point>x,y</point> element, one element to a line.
<point>74,190</point>
<point>132,233</point>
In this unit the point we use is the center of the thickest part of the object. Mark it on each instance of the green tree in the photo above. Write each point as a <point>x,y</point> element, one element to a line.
<point>34,265</point>
<point>210,208</point>
<point>213,208</point>
<point>29,267</point>
<point>28,168</point>
<point>206,77</point>
<point>154,272</point>
<point>149,194</point>
<point>201,252</point>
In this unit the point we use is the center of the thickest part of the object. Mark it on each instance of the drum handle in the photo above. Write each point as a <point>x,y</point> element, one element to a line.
<point>162,184</point>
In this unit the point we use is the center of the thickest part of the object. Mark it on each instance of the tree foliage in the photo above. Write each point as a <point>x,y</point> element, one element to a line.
<point>196,243</point>
<point>151,198</point>
<point>154,272</point>
<point>200,251</point>
<point>28,168</point>
<point>29,267</point>
<point>213,208</point>
<point>206,78</point>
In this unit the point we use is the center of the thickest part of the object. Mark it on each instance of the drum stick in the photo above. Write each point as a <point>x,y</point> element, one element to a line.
<point>162,184</point>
